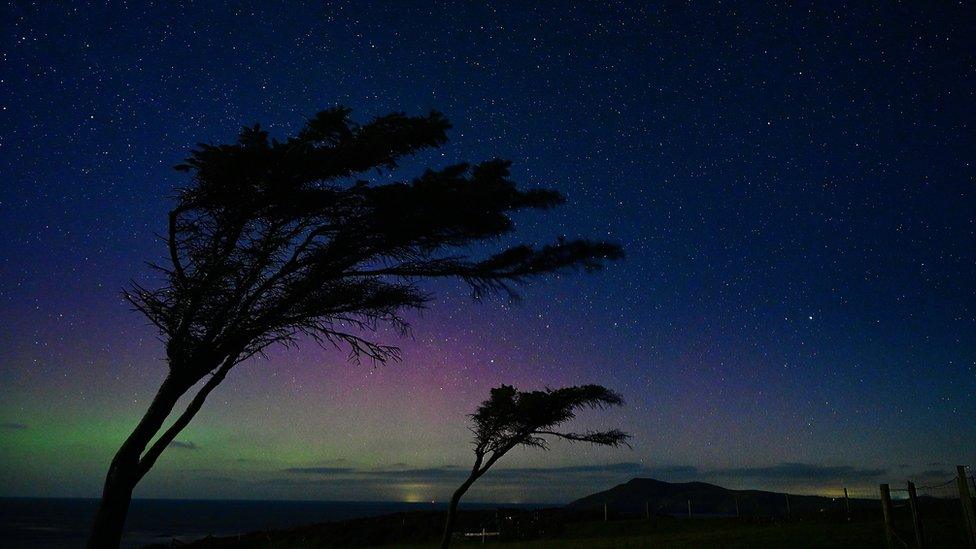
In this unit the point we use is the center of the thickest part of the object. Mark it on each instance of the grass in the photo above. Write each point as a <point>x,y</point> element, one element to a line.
<point>421,530</point>
<point>733,534</point>
<point>715,533</point>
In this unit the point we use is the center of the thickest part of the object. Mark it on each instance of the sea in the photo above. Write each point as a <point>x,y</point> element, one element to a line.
<point>62,523</point>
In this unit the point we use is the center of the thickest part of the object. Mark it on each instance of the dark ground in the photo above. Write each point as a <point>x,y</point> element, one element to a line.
<point>559,528</point>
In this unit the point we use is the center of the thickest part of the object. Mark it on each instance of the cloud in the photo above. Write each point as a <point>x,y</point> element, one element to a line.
<point>625,467</point>
<point>218,480</point>
<point>674,471</point>
<point>592,474</point>
<point>933,476</point>
<point>13,426</point>
<point>185,445</point>
<point>401,472</point>
<point>800,471</point>
<point>933,473</point>
<point>428,473</point>
<point>321,470</point>
<point>333,482</point>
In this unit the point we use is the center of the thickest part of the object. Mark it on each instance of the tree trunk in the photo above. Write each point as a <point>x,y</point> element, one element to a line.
<point>452,511</point>
<point>125,471</point>
<point>112,510</point>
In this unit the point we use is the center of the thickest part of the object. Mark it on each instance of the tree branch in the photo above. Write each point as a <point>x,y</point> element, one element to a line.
<point>613,437</point>
<point>174,254</point>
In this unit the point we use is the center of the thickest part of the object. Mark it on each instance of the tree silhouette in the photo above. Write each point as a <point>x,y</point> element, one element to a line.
<point>275,242</point>
<point>511,418</point>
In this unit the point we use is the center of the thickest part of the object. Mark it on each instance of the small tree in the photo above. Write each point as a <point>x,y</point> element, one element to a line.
<point>510,418</point>
<point>276,240</point>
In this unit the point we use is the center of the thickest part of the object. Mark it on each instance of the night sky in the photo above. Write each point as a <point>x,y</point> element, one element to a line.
<point>794,188</point>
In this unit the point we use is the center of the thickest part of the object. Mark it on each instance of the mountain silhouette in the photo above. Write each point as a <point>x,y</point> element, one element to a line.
<point>640,495</point>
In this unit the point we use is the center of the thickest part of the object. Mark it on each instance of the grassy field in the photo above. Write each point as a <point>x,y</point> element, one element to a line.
<point>715,533</point>
<point>733,534</point>
<point>622,534</point>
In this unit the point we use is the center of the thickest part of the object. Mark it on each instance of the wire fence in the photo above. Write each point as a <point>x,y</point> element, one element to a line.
<point>935,512</point>
<point>938,513</point>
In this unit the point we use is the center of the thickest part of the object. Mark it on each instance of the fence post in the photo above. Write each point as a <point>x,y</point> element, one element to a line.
<point>886,509</point>
<point>647,510</point>
<point>689,508</point>
<point>969,517</point>
<point>916,520</point>
<point>847,504</point>
<point>789,512</point>
<point>604,511</point>
<point>737,514</point>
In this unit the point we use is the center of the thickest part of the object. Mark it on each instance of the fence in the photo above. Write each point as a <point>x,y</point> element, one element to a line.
<point>937,514</point>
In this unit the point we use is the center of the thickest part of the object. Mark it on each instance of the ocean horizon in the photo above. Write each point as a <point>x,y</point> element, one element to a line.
<point>65,522</point>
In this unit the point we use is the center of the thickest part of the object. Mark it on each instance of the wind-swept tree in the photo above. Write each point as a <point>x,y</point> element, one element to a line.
<point>511,418</point>
<point>277,242</point>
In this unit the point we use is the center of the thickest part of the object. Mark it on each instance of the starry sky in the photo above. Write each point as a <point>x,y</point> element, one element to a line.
<point>794,188</point>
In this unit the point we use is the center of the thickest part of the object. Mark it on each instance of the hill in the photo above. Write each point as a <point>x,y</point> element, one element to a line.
<point>641,495</point>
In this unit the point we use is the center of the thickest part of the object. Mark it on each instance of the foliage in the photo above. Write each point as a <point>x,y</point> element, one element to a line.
<point>275,240</point>
<point>510,418</point>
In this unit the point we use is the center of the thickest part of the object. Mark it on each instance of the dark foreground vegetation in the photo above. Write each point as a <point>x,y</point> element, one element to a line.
<point>565,528</point>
